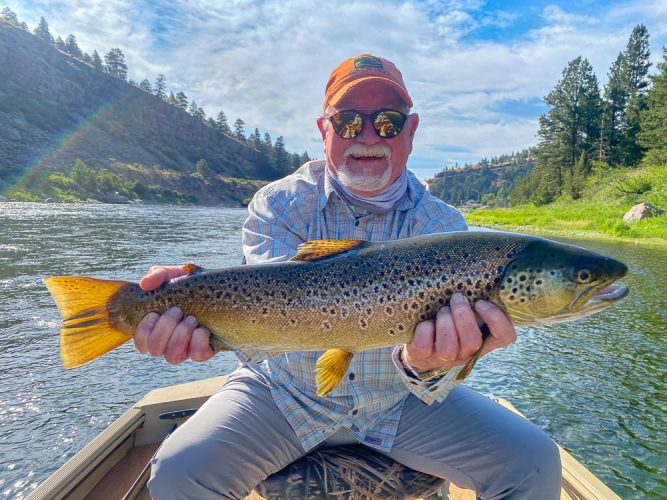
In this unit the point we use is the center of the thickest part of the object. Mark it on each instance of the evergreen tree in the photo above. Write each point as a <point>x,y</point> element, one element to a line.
<point>201,114</point>
<point>24,26</point>
<point>181,100</point>
<point>255,140</point>
<point>653,134</point>
<point>202,168</point>
<point>146,85</point>
<point>87,59</point>
<point>72,48</point>
<point>42,31</point>
<point>8,15</point>
<point>60,44</point>
<point>615,97</point>
<point>211,123</point>
<point>114,61</point>
<point>239,129</point>
<point>193,109</point>
<point>570,127</point>
<point>281,157</point>
<point>160,86</point>
<point>97,61</point>
<point>221,123</point>
<point>171,99</point>
<point>304,158</point>
<point>636,66</point>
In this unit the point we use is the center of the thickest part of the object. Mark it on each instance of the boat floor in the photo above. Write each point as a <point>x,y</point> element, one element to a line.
<point>116,464</point>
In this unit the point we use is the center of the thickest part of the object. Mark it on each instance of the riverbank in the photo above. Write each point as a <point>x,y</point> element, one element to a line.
<point>597,215</point>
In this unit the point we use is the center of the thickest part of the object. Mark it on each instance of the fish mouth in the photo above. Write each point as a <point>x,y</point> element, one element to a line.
<point>596,298</point>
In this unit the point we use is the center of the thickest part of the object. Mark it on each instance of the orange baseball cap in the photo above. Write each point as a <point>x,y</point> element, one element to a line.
<point>361,69</point>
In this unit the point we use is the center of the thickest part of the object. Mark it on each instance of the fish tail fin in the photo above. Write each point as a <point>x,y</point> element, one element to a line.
<point>87,332</point>
<point>330,370</point>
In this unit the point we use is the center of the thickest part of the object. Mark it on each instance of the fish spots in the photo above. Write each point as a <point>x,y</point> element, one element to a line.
<point>363,323</point>
<point>326,325</point>
<point>389,311</point>
<point>293,321</point>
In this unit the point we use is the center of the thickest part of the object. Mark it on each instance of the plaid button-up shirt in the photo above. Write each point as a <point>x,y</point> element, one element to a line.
<point>369,400</point>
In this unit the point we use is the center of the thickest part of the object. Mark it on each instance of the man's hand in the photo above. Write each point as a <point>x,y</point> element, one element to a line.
<point>171,335</point>
<point>455,336</point>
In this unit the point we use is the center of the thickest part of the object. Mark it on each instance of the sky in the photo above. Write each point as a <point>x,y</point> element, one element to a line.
<point>477,71</point>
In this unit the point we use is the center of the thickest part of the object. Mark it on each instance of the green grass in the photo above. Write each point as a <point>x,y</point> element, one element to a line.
<point>599,214</point>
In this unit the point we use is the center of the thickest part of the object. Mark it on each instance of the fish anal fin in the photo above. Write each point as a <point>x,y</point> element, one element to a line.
<point>192,269</point>
<point>330,370</point>
<point>320,249</point>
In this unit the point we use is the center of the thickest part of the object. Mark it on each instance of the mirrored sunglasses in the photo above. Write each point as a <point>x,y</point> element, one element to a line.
<point>349,123</point>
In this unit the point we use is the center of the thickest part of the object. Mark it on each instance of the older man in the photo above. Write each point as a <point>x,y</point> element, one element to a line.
<point>268,413</point>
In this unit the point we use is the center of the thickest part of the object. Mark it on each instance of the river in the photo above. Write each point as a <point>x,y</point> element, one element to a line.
<point>596,386</point>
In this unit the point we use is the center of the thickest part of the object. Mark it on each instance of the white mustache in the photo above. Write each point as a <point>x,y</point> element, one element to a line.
<point>361,150</point>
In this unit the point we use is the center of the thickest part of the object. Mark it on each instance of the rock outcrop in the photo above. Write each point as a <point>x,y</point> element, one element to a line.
<point>642,211</point>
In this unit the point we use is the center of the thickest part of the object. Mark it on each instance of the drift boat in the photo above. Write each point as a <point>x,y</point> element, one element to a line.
<point>116,464</point>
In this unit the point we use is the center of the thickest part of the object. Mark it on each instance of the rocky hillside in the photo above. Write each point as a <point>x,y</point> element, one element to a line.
<point>55,109</point>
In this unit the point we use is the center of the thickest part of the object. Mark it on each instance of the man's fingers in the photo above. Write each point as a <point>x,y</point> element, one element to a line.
<point>200,349</point>
<point>162,331</point>
<point>470,336</point>
<point>500,326</point>
<point>176,350</point>
<point>157,275</point>
<point>143,330</point>
<point>446,337</point>
<point>421,346</point>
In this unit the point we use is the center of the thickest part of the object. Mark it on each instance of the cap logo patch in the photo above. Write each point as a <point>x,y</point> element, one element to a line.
<point>368,63</point>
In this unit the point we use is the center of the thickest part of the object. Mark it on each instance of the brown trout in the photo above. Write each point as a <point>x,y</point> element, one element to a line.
<point>346,296</point>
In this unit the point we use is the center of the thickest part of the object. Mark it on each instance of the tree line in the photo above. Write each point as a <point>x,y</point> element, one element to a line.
<point>273,153</point>
<point>587,130</point>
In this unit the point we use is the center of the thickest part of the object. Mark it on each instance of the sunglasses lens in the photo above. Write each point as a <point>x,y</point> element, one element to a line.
<point>347,124</point>
<point>389,123</point>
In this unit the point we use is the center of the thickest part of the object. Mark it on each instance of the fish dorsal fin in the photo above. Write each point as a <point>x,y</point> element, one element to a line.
<point>319,249</point>
<point>192,269</point>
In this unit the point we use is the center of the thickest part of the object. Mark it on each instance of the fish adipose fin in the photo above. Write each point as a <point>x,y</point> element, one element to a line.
<point>86,333</point>
<point>320,249</point>
<point>330,369</point>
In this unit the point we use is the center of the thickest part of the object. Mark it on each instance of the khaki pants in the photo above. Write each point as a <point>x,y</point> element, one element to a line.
<point>239,437</point>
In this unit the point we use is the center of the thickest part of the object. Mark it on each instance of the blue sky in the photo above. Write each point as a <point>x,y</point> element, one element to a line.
<point>477,70</point>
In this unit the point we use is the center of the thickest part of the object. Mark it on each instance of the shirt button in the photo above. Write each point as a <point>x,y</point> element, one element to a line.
<point>351,376</point>
<point>434,388</point>
<point>356,223</point>
<point>354,428</point>
<point>354,412</point>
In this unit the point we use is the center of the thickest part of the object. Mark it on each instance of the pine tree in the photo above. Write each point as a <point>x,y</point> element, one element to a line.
<point>181,100</point>
<point>653,134</point>
<point>221,123</point>
<point>42,31</point>
<point>8,15</point>
<point>636,66</point>
<point>60,44</point>
<point>87,59</point>
<point>114,61</point>
<point>193,109</point>
<point>570,127</point>
<point>146,85</point>
<point>171,99</point>
<point>160,86</point>
<point>615,97</point>
<point>282,164</point>
<point>97,61</point>
<point>72,48</point>
<point>239,129</point>
<point>255,140</point>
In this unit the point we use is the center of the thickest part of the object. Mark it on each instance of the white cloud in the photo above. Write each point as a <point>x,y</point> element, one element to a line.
<point>268,61</point>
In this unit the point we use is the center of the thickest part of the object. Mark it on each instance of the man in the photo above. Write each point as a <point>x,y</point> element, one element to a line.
<point>268,414</point>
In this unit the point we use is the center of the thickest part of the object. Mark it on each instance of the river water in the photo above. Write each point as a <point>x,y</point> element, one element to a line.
<point>596,386</point>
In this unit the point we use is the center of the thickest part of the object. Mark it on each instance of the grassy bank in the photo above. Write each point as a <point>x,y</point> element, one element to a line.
<point>598,214</point>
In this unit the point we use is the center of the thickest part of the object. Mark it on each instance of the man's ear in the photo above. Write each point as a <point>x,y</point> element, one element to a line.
<point>320,126</point>
<point>413,123</point>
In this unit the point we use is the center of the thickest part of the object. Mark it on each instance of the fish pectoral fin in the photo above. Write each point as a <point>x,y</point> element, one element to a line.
<point>192,269</point>
<point>330,369</point>
<point>320,249</point>
<point>467,368</point>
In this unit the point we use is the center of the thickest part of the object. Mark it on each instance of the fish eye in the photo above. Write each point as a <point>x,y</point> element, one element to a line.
<point>584,276</point>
